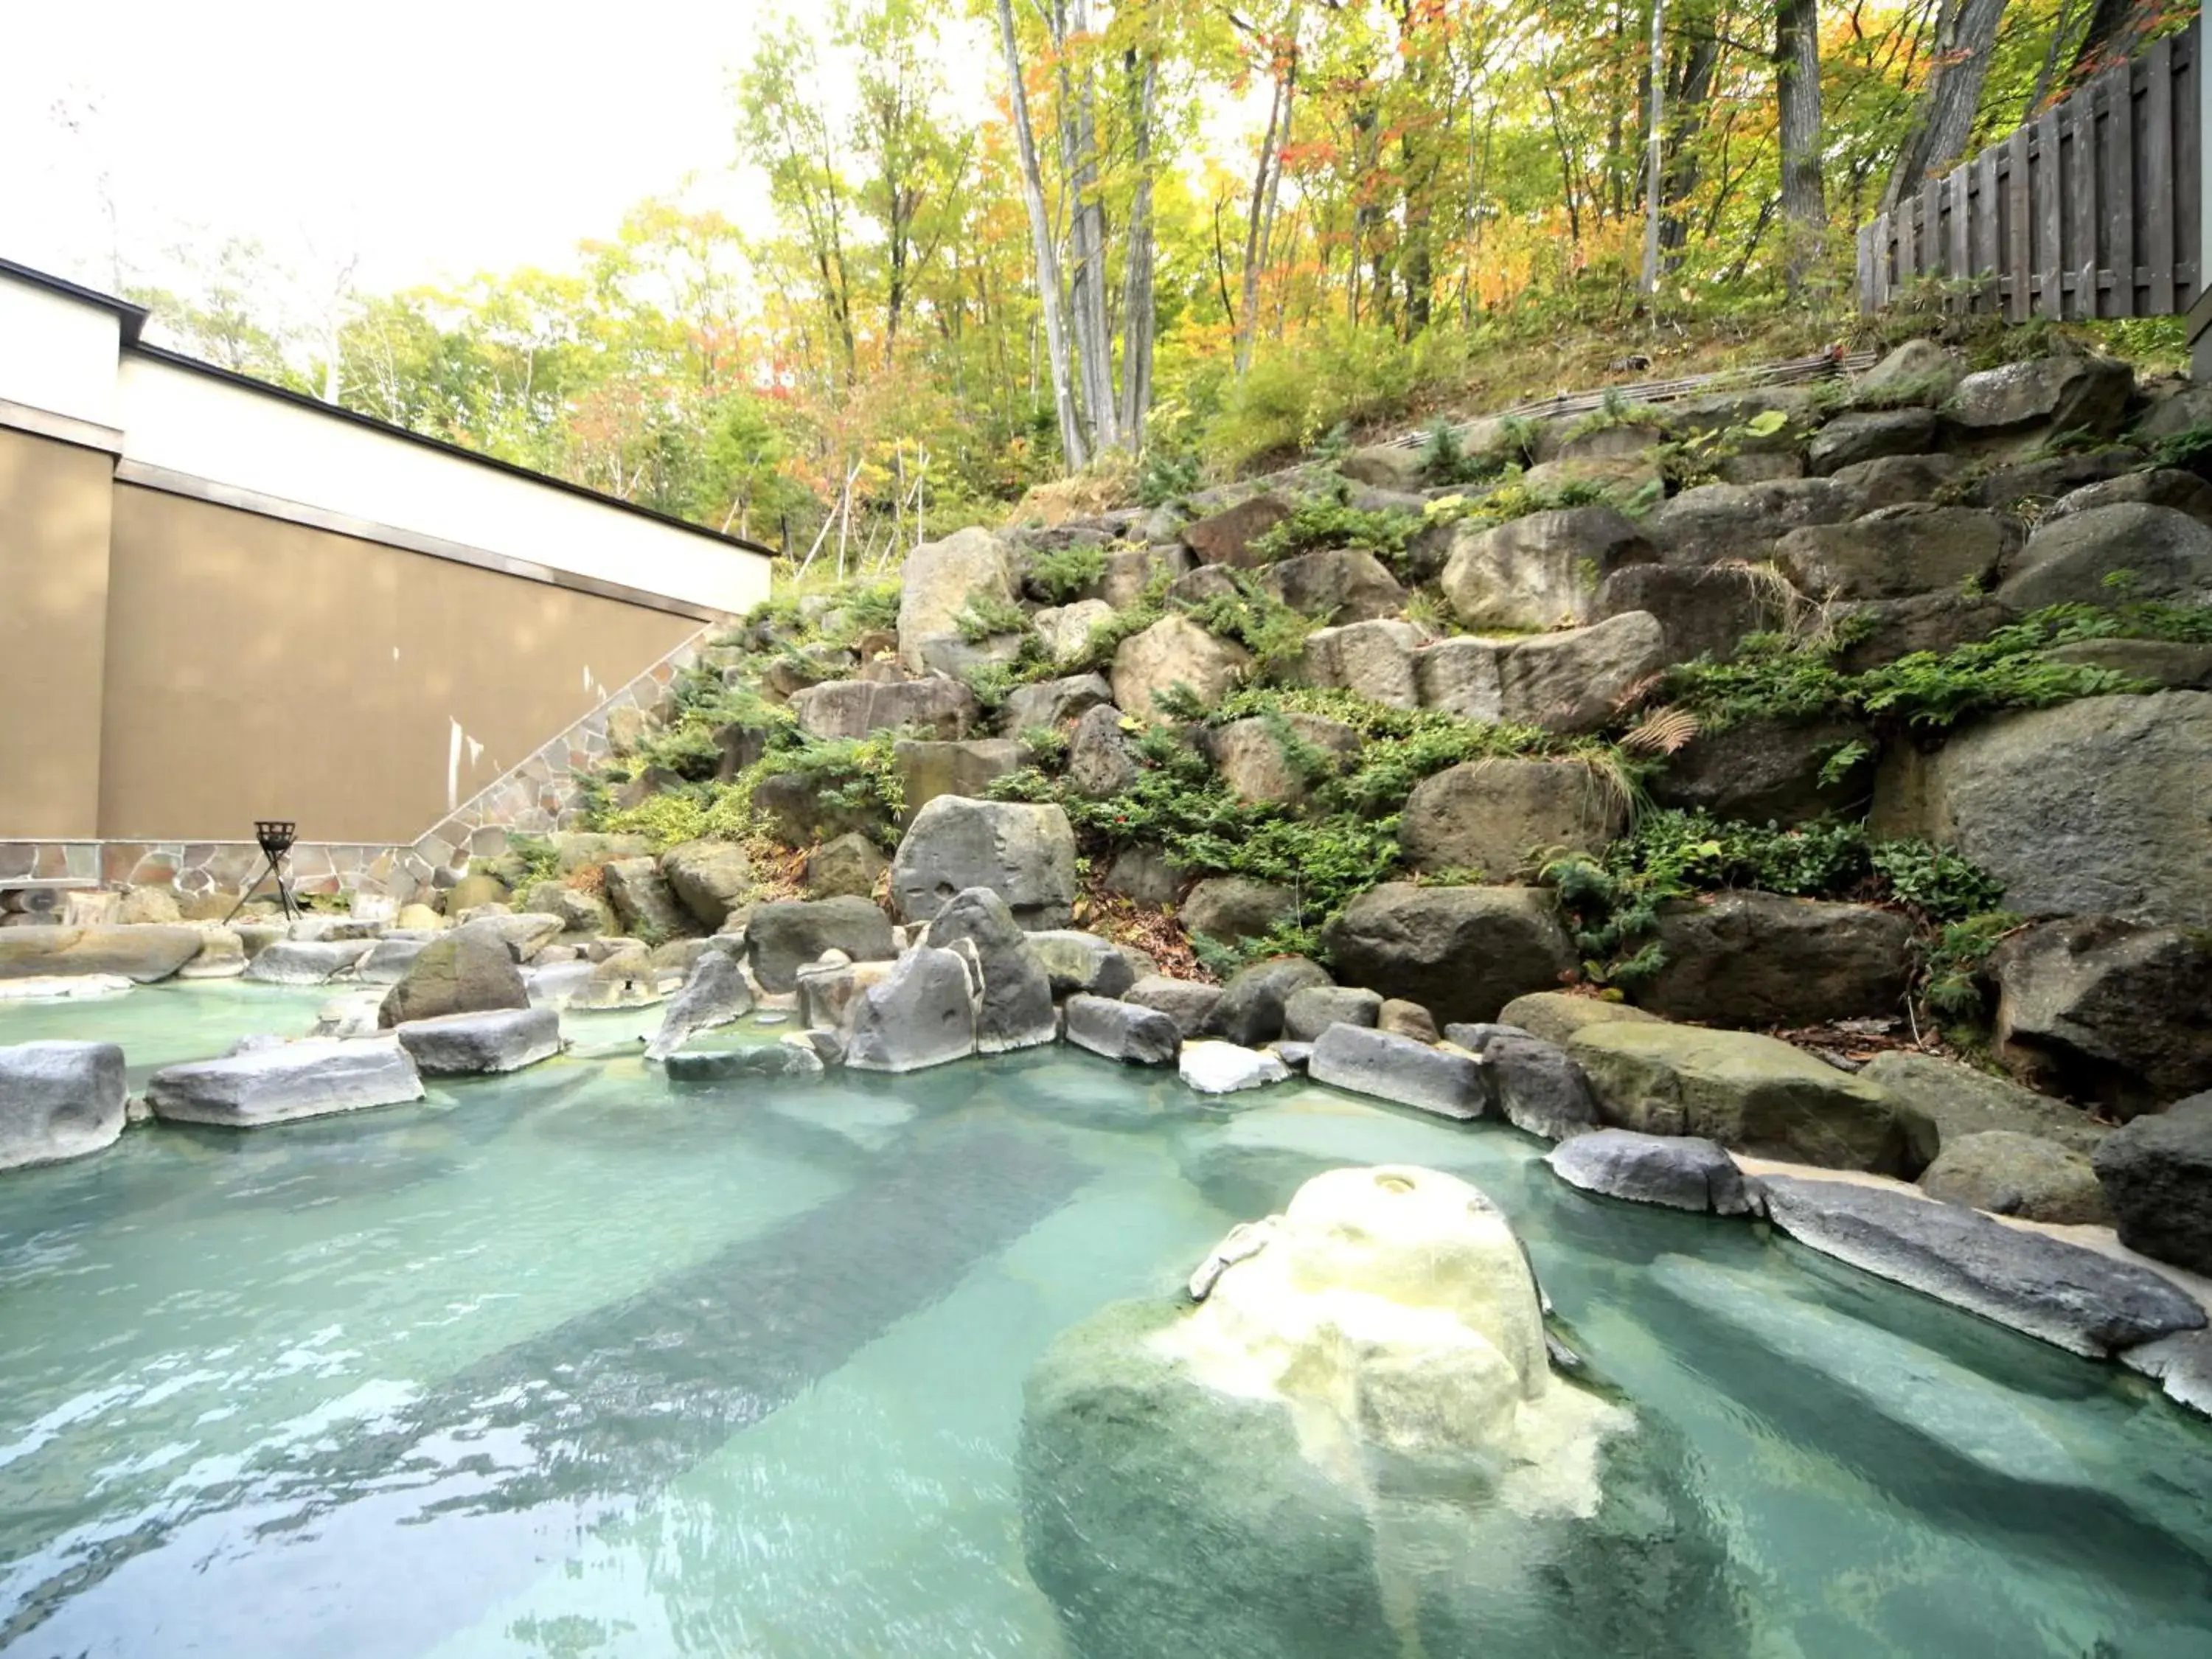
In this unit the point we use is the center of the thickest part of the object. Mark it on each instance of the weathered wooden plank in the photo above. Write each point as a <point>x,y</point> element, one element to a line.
<point>2154,166</point>
<point>2020,244</point>
<point>2050,193</point>
<point>2080,232</point>
<point>2188,170</point>
<point>1958,255</point>
<point>2122,201</point>
<point>1984,256</point>
<point>1931,227</point>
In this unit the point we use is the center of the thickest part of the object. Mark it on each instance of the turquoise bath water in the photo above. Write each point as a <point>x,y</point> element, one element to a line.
<point>574,1365</point>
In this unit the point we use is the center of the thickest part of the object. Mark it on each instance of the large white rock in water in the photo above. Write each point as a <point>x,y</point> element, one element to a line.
<point>286,1080</point>
<point>1355,1444</point>
<point>58,1100</point>
<point>922,1014</point>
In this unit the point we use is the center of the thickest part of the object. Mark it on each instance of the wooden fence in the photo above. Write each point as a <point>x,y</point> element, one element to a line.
<point>2089,211</point>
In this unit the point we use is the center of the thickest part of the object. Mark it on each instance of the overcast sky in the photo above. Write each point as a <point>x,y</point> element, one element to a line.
<point>431,138</point>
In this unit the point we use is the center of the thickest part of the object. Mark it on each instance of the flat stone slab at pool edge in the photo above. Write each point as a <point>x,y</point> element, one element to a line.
<point>474,1045</point>
<point>58,1100</point>
<point>286,1081</point>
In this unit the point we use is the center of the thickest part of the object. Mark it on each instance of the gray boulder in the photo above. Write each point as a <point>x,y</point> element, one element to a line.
<point>1185,1002</point>
<point>580,911</point>
<point>1309,1011</point>
<point>1916,548</point>
<point>2157,1178</point>
<point>1703,611</point>
<point>2094,807</point>
<point>2006,1173</point>
<point>1579,680</point>
<point>388,961</point>
<point>1250,1011</point>
<point>645,903</point>
<point>1681,1172</point>
<point>1145,875</point>
<point>1233,908</point>
<point>2172,665</point>
<point>1374,658</point>
<point>845,867</point>
<point>1463,952</point>
<point>968,766</point>
<point>1213,1068</point>
<point>922,1014</point>
<point>1398,1069</point>
<point>2184,492</point>
<point>939,578</point>
<point>1738,523</point>
<point>1892,479</point>
<point>2065,392</point>
<point>463,972</point>
<point>2027,486</point>
<point>472,1045</point>
<point>1129,573</point>
<point>1100,761</point>
<point>1940,1102</point>
<point>1535,1083</point>
<point>2071,1297</point>
<point>1541,570</point>
<point>1280,759</point>
<point>1746,959</point>
<point>1765,771</point>
<point>1067,630</point>
<point>1499,816</point>
<point>1227,537</point>
<point>1750,1093</point>
<point>780,939</point>
<point>786,1060</point>
<point>308,962</point>
<point>522,934</point>
<point>1175,651</point>
<point>854,708</point>
<point>58,1100</point>
<point>289,1080</point>
<point>1920,365</point>
<point>1882,630</point>
<point>1076,962</point>
<point>1023,853</point>
<point>1869,435</point>
<point>1123,1030</point>
<point>1342,584</point>
<point>1056,703</point>
<point>2105,1011</point>
<point>1556,1016</point>
<point>710,878</point>
<point>716,994</point>
<point>1015,1008</point>
<point>2157,552</point>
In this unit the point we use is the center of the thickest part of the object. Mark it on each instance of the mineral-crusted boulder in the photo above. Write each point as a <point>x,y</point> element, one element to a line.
<point>2091,807</point>
<point>1023,852</point>
<point>1541,570</point>
<point>2157,1178</point>
<point>1766,771</point>
<point>1231,909</point>
<point>1746,959</point>
<point>1175,651</point>
<point>1869,435</point>
<point>2158,552</point>
<point>2008,1173</point>
<point>936,583</point>
<point>1534,1084</point>
<point>58,1100</point>
<point>854,708</point>
<point>472,1045</point>
<point>1250,1011</point>
<point>1015,1008</point>
<point>1896,552</point>
<point>1345,585</point>
<point>308,962</point>
<point>969,767</point>
<point>2065,392</point>
<point>1680,1171</point>
<point>1374,658</point>
<point>1122,1030</point>
<point>1461,952</point>
<point>846,867</point>
<point>286,1080</point>
<point>222,955</point>
<point>644,902</point>
<point>1499,816</point>
<point>1309,1011</point>
<point>1280,759</point>
<point>1940,1100</point>
<point>2062,1294</point>
<point>781,938</point>
<point>922,1014</point>
<point>1398,1069</point>
<point>1185,1001</point>
<point>710,878</point>
<point>1750,1093</point>
<point>715,993</point>
<point>1254,1441</point>
<point>1227,536</point>
<point>1056,703</point>
<point>463,972</point>
<point>143,954</point>
<point>1213,1068</point>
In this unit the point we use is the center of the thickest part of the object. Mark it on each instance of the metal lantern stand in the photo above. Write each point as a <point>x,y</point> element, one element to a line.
<point>276,836</point>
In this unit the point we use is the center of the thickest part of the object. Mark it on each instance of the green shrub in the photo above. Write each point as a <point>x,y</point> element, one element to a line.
<point>1272,631</point>
<point>1445,460</point>
<point>1319,522</point>
<point>1062,574</point>
<point>985,616</point>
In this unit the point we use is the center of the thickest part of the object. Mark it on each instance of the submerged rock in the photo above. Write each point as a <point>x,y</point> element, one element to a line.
<point>1680,1171</point>
<point>58,1100</point>
<point>1355,1446</point>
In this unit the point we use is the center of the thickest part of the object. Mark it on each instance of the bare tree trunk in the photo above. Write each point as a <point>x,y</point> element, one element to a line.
<point>1073,451</point>
<point>1943,119</point>
<point>1137,311</point>
<point>1094,340</point>
<point>1653,187</point>
<point>1254,216</point>
<point>1797,95</point>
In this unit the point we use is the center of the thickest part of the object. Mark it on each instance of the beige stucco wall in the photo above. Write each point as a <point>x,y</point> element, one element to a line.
<point>257,668</point>
<point>54,503</point>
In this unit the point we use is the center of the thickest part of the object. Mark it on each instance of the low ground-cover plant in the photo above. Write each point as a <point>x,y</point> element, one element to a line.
<point>1330,521</point>
<point>1061,573</point>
